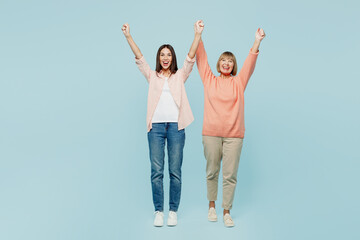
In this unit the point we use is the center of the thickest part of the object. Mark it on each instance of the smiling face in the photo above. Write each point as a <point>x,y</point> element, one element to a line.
<point>165,58</point>
<point>226,64</point>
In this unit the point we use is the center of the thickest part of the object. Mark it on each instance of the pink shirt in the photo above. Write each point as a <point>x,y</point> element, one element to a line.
<point>224,98</point>
<point>177,88</point>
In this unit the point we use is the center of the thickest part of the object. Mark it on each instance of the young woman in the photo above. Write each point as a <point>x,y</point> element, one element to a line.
<point>223,126</point>
<point>168,113</point>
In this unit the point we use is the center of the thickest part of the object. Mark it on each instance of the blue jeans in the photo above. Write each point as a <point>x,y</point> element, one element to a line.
<point>175,139</point>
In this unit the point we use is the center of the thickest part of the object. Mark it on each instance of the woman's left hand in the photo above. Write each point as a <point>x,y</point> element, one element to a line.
<point>199,26</point>
<point>260,34</point>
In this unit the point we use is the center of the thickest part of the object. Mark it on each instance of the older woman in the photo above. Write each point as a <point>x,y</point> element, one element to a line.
<point>168,113</point>
<point>223,126</point>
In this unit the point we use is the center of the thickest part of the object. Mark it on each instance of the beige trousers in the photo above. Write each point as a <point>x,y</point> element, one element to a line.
<point>228,150</point>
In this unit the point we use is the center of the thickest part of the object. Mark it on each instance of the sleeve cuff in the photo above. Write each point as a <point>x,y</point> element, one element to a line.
<point>257,53</point>
<point>192,60</point>
<point>140,60</point>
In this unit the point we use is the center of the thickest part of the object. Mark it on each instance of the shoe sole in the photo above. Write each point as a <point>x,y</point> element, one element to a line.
<point>171,224</point>
<point>230,226</point>
<point>212,219</point>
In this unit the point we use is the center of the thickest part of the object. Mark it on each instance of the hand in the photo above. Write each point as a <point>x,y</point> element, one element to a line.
<point>260,34</point>
<point>199,26</point>
<point>126,29</point>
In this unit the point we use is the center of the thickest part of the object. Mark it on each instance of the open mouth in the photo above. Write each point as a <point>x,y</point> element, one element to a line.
<point>166,63</point>
<point>226,68</point>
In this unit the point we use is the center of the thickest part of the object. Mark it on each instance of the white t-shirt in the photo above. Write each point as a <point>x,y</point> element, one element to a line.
<point>166,109</point>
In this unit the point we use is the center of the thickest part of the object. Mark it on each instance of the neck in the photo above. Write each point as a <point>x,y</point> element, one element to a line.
<point>225,76</point>
<point>166,72</point>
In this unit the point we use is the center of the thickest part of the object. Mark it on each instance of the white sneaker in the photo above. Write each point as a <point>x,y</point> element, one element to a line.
<point>212,215</point>
<point>159,219</point>
<point>172,219</point>
<point>228,222</point>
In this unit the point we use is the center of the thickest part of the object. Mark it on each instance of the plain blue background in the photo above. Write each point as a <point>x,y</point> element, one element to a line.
<point>73,148</point>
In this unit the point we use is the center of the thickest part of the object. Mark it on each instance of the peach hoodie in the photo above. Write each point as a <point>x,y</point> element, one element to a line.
<point>177,89</point>
<point>224,98</point>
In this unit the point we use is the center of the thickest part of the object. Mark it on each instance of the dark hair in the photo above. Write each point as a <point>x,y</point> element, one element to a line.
<point>173,65</point>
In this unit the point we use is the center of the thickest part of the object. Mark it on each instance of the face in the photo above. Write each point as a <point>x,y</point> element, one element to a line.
<point>165,58</point>
<point>226,65</point>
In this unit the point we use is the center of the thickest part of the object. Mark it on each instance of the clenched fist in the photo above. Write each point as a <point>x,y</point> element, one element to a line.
<point>126,29</point>
<point>260,34</point>
<point>199,26</point>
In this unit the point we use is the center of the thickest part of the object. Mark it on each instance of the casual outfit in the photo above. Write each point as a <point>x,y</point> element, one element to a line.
<point>228,222</point>
<point>212,217</point>
<point>177,89</point>
<point>172,219</point>
<point>229,150</point>
<point>158,135</point>
<point>168,113</point>
<point>159,219</point>
<point>166,109</point>
<point>223,126</point>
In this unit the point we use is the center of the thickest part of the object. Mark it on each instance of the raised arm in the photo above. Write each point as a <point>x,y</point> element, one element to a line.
<point>139,59</point>
<point>198,28</point>
<point>190,58</point>
<point>202,64</point>
<point>259,36</point>
<point>126,30</point>
<point>250,62</point>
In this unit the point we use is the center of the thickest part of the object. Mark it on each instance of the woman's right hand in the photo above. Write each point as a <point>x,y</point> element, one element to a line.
<point>126,29</point>
<point>199,26</point>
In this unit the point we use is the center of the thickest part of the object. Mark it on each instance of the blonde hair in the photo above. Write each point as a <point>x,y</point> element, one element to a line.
<point>227,55</point>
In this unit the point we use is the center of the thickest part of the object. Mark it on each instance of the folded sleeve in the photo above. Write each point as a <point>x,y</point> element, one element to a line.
<point>187,67</point>
<point>144,67</point>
